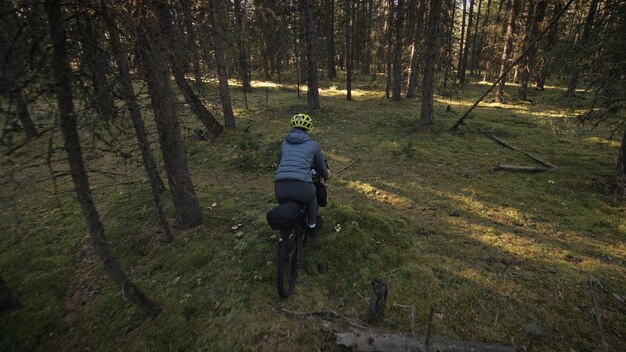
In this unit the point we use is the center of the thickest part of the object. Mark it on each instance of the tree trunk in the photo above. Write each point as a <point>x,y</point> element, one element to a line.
<point>367,40</point>
<point>168,37</point>
<point>620,174</point>
<point>462,41</point>
<point>512,7</point>
<point>474,61</point>
<point>388,13</point>
<point>242,57</point>
<point>7,300</point>
<point>449,63</point>
<point>432,48</point>
<point>546,59</point>
<point>25,119</point>
<point>581,45</point>
<point>396,91</point>
<point>153,49</point>
<point>348,48</point>
<point>62,84</point>
<point>96,64</point>
<point>192,42</point>
<point>128,95</point>
<point>330,39</point>
<point>416,27</point>
<point>312,94</point>
<point>532,30</point>
<point>218,40</point>
<point>467,43</point>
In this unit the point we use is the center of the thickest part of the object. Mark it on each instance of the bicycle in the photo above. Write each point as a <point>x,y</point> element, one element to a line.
<point>290,244</point>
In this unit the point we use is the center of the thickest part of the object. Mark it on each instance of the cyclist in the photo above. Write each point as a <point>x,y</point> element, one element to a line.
<point>299,155</point>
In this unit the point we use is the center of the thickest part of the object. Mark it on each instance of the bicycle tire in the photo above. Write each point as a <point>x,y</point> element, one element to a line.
<point>289,246</point>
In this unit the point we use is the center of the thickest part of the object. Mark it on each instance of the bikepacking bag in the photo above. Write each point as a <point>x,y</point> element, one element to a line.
<point>284,216</point>
<point>321,194</point>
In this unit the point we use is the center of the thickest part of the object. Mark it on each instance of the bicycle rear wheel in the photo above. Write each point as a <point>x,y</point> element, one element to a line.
<point>288,257</point>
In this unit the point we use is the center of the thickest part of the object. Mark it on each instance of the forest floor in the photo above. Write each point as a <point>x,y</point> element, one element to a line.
<point>501,257</point>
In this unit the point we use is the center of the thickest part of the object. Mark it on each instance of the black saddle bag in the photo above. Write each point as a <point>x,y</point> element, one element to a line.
<point>284,216</point>
<point>321,194</point>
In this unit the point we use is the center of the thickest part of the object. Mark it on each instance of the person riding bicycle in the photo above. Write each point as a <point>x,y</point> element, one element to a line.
<point>299,155</point>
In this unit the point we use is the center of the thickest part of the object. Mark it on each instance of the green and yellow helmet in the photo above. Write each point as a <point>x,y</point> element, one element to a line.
<point>302,120</point>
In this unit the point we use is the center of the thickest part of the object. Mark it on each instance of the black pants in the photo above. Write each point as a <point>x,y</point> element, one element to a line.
<point>301,192</point>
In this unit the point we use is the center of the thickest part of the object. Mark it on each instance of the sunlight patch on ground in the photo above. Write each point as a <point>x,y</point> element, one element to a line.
<point>598,140</point>
<point>380,195</point>
<point>266,84</point>
<point>336,157</point>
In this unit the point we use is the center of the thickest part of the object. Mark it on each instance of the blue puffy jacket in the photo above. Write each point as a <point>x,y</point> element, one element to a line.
<point>298,154</point>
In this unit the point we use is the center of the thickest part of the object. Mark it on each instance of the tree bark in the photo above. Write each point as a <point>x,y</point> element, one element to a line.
<point>449,64</point>
<point>312,94</point>
<point>96,64</point>
<point>581,45</point>
<point>474,61</point>
<point>348,48</point>
<point>242,57</point>
<point>416,29</point>
<point>388,13</point>
<point>462,41</point>
<point>330,39</point>
<point>24,115</point>
<point>512,8</point>
<point>467,43</point>
<point>7,300</point>
<point>128,94</point>
<point>192,41</point>
<point>620,174</point>
<point>168,37</point>
<point>153,52</point>
<point>546,57</point>
<point>432,48</point>
<point>62,84</point>
<point>532,30</point>
<point>218,40</point>
<point>396,91</point>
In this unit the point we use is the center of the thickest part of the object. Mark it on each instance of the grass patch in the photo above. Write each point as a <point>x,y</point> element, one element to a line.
<point>497,254</point>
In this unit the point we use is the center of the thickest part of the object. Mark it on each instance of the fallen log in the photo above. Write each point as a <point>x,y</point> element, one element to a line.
<point>394,342</point>
<point>540,161</point>
<point>528,169</point>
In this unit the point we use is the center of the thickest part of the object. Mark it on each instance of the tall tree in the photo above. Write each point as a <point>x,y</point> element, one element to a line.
<point>582,46</point>
<point>535,17</point>
<point>432,48</point>
<point>153,48</point>
<point>192,41</point>
<point>171,47</point>
<point>348,47</point>
<point>468,35</point>
<point>312,94</point>
<point>474,61</point>
<point>329,28</point>
<point>222,74</point>
<point>134,110</point>
<point>242,56</point>
<point>449,64</point>
<point>512,9</point>
<point>416,16</point>
<point>67,116</point>
<point>96,64</point>
<point>462,41</point>
<point>545,62</point>
<point>396,91</point>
